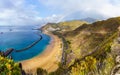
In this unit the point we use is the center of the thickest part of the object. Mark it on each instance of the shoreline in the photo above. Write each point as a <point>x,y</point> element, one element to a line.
<point>48,59</point>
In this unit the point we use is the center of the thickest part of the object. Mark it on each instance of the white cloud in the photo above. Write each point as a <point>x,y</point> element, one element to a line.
<point>18,12</point>
<point>14,12</point>
<point>91,8</point>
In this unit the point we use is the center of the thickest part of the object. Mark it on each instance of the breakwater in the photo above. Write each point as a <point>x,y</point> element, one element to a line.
<point>30,46</point>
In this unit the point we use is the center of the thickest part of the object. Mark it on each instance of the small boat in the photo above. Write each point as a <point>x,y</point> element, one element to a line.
<point>10,29</point>
<point>1,32</point>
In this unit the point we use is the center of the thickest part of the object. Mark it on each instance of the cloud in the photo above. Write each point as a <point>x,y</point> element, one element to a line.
<point>36,12</point>
<point>84,8</point>
<point>14,12</point>
<point>20,12</point>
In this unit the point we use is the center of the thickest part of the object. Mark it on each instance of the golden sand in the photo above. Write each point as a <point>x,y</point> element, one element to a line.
<point>48,59</point>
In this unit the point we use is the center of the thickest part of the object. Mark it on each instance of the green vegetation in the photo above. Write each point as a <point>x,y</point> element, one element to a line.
<point>64,27</point>
<point>40,71</point>
<point>88,49</point>
<point>71,25</point>
<point>93,66</point>
<point>101,60</point>
<point>9,67</point>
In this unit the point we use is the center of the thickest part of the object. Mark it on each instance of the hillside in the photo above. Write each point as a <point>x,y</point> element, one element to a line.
<point>86,37</point>
<point>87,48</point>
<point>63,26</point>
<point>71,25</point>
<point>89,20</point>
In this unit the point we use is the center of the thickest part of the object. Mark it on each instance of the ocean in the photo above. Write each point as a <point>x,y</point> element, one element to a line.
<point>19,37</point>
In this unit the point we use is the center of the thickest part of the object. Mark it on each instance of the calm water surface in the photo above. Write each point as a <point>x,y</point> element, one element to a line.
<point>20,37</point>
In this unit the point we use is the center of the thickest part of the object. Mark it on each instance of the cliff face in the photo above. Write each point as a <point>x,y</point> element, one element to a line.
<point>90,46</point>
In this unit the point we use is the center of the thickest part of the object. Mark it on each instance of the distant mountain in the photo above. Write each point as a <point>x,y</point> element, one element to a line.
<point>64,26</point>
<point>89,20</point>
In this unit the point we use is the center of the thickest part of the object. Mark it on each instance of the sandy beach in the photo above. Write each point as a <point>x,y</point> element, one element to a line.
<point>48,59</point>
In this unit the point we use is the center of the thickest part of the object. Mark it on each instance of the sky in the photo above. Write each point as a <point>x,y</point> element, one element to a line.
<point>38,12</point>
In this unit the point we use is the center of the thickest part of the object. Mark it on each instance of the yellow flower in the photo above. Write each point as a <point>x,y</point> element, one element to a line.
<point>1,58</point>
<point>83,65</point>
<point>8,66</point>
<point>16,64</point>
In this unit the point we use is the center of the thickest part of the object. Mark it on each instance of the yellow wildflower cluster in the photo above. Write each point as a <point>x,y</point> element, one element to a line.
<point>89,64</point>
<point>8,67</point>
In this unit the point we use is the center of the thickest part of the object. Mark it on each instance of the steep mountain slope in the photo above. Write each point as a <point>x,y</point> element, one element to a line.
<point>92,42</point>
<point>86,37</point>
<point>89,47</point>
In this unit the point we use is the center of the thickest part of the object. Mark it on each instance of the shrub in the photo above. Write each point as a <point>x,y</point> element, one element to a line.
<point>41,71</point>
<point>9,67</point>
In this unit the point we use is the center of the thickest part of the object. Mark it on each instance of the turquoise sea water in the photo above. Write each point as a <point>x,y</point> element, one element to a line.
<point>20,37</point>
